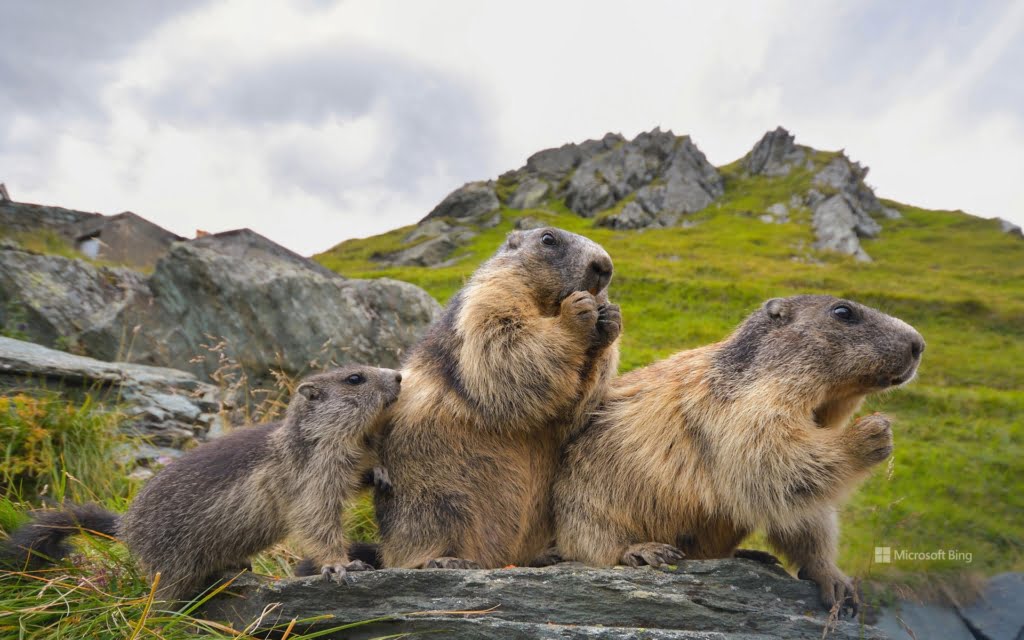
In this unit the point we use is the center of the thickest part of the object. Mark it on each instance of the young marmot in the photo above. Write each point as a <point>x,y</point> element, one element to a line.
<point>691,454</point>
<point>216,506</point>
<point>520,356</point>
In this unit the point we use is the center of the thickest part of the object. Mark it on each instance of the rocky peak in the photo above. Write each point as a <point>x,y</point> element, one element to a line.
<point>775,154</point>
<point>468,201</point>
<point>667,173</point>
<point>556,164</point>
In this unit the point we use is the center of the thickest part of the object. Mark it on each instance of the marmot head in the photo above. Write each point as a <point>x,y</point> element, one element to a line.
<point>822,344</point>
<point>342,403</point>
<point>557,263</point>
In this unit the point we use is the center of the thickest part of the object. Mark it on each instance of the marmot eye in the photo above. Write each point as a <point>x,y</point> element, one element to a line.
<point>549,239</point>
<point>355,378</point>
<point>844,313</point>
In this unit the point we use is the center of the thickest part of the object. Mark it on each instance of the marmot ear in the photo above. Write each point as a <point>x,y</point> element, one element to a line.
<point>513,239</point>
<point>777,309</point>
<point>310,391</point>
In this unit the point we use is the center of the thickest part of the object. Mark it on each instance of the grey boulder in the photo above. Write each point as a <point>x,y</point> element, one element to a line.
<point>468,201</point>
<point>775,154</point>
<point>668,174</point>
<point>838,227</point>
<point>236,294</point>
<point>530,193</point>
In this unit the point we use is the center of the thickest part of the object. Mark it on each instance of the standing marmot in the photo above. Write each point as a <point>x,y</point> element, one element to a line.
<point>218,505</point>
<point>520,356</point>
<point>695,452</point>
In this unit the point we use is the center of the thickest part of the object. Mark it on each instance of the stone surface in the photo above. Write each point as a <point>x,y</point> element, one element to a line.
<point>530,193</point>
<point>272,309</point>
<point>916,621</point>
<point>835,226</point>
<point>725,599</point>
<point>125,238</point>
<point>998,614</point>
<point>668,173</point>
<point>556,164</point>
<point>529,222</point>
<point>775,154</point>
<point>468,201</point>
<point>23,216</point>
<point>425,254</point>
<point>632,216</point>
<point>172,409</point>
<point>53,300</point>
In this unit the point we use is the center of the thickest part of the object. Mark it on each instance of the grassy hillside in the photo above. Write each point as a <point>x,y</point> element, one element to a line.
<point>956,481</point>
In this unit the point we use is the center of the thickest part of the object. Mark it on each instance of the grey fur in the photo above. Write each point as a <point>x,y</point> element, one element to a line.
<point>231,498</point>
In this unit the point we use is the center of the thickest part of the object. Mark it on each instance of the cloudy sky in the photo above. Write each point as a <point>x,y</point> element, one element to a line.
<point>314,121</point>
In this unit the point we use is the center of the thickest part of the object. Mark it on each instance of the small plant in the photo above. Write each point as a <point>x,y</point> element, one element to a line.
<point>56,450</point>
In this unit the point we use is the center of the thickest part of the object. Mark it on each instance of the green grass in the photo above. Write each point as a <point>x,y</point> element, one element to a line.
<point>957,480</point>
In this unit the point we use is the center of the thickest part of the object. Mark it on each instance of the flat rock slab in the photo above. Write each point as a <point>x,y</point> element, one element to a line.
<point>916,621</point>
<point>998,614</point>
<point>725,599</point>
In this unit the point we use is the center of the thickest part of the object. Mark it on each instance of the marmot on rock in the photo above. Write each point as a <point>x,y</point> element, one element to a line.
<point>521,355</point>
<point>230,498</point>
<point>688,456</point>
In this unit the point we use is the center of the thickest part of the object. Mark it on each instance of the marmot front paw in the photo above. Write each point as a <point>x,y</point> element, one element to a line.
<point>655,554</point>
<point>579,309</point>
<point>838,593</point>
<point>381,480</point>
<point>337,571</point>
<point>609,323</point>
<point>873,435</point>
<point>448,562</point>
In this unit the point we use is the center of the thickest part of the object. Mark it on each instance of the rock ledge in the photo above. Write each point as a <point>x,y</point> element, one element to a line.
<point>723,599</point>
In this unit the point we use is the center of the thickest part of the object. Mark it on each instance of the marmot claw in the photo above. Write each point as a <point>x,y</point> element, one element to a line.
<point>609,323</point>
<point>447,562</point>
<point>655,554</point>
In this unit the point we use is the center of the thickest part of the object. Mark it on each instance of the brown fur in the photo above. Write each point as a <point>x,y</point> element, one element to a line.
<point>225,501</point>
<point>697,451</point>
<point>520,356</point>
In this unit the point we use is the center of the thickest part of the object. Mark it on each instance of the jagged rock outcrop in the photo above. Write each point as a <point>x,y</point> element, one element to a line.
<point>843,206</point>
<point>530,193</point>
<point>272,309</point>
<point>725,599</point>
<point>171,409</point>
<point>555,165</point>
<point>471,200</point>
<point>775,154</point>
<point>668,174</point>
<point>839,225</point>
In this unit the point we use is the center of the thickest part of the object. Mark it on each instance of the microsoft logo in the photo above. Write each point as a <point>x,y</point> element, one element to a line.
<point>883,554</point>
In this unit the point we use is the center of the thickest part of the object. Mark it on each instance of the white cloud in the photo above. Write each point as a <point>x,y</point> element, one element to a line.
<point>313,122</point>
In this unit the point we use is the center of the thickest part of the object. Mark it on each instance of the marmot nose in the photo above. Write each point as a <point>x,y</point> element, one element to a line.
<point>916,346</point>
<point>602,266</point>
<point>398,377</point>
